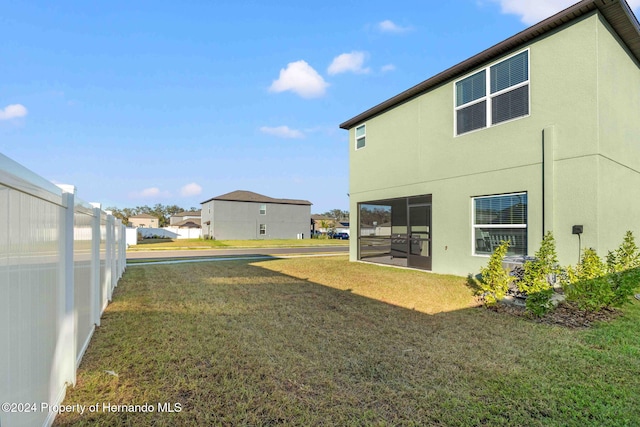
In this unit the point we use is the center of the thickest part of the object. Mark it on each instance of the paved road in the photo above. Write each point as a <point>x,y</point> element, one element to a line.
<point>209,253</point>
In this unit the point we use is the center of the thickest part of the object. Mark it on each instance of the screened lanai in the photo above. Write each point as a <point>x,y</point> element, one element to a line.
<point>396,232</point>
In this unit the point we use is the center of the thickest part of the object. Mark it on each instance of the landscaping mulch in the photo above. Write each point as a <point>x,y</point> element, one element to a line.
<point>565,314</point>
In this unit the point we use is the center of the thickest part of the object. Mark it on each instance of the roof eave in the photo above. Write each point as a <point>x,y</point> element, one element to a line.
<point>617,13</point>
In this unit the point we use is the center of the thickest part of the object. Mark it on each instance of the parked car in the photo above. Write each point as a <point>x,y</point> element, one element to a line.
<point>343,236</point>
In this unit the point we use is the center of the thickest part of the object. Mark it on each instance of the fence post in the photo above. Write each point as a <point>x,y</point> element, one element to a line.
<point>123,252</point>
<point>69,324</point>
<point>110,276</point>
<point>96,286</point>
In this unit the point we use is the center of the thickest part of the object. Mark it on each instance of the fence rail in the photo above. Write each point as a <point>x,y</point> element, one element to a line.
<point>60,259</point>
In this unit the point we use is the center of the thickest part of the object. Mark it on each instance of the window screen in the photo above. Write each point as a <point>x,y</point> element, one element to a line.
<point>471,88</point>
<point>472,117</point>
<point>509,73</point>
<point>361,136</point>
<point>510,105</point>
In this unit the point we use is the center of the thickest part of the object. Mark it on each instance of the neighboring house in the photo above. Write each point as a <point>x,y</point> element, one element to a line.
<point>540,132</point>
<point>182,216</point>
<point>190,228</point>
<point>144,221</point>
<point>243,215</point>
<point>321,224</point>
<point>188,223</point>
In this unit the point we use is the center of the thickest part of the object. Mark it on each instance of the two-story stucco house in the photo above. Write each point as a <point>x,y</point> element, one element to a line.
<point>180,218</point>
<point>540,132</point>
<point>144,221</point>
<point>244,215</point>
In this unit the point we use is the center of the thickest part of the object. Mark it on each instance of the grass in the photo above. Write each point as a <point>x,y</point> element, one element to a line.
<point>325,342</point>
<point>177,244</point>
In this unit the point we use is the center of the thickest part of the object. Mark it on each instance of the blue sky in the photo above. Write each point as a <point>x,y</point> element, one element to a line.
<point>146,102</point>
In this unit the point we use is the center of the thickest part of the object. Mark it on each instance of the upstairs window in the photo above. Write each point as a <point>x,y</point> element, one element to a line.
<point>263,209</point>
<point>361,137</point>
<point>494,95</point>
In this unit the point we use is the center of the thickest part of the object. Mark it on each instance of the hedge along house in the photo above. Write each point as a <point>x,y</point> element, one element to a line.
<point>244,215</point>
<point>540,132</point>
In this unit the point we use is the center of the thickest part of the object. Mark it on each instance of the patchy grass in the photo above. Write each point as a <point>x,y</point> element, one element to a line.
<point>189,244</point>
<point>324,342</point>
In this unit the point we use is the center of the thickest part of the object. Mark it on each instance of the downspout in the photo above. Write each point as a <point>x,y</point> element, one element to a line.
<point>548,178</point>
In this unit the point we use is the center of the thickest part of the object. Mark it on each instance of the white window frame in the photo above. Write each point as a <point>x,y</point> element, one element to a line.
<point>263,209</point>
<point>488,96</point>
<point>363,136</point>
<point>475,226</point>
<point>262,230</point>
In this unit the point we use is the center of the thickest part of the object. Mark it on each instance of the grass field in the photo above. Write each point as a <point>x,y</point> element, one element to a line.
<point>325,342</point>
<point>177,244</point>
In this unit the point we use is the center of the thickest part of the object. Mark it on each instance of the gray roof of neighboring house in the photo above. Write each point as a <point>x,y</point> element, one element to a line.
<point>248,196</point>
<point>616,12</point>
<point>189,223</point>
<point>188,213</point>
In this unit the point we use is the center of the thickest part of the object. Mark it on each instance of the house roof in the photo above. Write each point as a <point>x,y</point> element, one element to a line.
<point>616,12</point>
<point>143,215</point>
<point>189,223</point>
<point>189,213</point>
<point>249,196</point>
<point>321,217</point>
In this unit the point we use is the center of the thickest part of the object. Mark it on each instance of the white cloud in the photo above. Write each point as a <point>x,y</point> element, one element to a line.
<point>13,111</point>
<point>531,12</point>
<point>282,132</point>
<point>299,77</point>
<point>189,190</point>
<point>348,62</point>
<point>149,193</point>
<point>387,68</point>
<point>388,26</point>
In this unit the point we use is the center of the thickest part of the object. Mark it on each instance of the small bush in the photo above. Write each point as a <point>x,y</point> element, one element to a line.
<point>539,303</point>
<point>623,266</point>
<point>495,279</point>
<point>594,285</point>
<point>540,273</point>
<point>538,276</point>
<point>588,284</point>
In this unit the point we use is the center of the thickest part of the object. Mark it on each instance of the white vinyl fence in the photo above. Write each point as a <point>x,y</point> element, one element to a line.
<point>60,259</point>
<point>185,233</point>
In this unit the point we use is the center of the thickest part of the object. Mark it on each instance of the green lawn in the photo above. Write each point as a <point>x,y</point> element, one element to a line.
<point>325,342</point>
<point>177,244</point>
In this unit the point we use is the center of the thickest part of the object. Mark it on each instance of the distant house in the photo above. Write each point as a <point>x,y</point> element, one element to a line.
<point>187,225</point>
<point>321,224</point>
<point>144,221</point>
<point>244,215</point>
<point>538,133</point>
<point>183,216</point>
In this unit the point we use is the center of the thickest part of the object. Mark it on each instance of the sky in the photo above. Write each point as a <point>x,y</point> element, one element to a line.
<point>146,102</point>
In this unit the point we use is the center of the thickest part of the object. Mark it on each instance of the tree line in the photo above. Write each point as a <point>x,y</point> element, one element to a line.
<point>164,212</point>
<point>160,211</point>
<point>337,214</point>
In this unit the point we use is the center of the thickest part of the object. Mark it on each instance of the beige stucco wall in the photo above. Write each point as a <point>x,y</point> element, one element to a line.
<point>412,150</point>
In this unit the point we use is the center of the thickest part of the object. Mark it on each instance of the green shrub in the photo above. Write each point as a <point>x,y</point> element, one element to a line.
<point>589,287</point>
<point>539,272</point>
<point>539,303</point>
<point>537,277</point>
<point>495,279</point>
<point>623,266</point>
